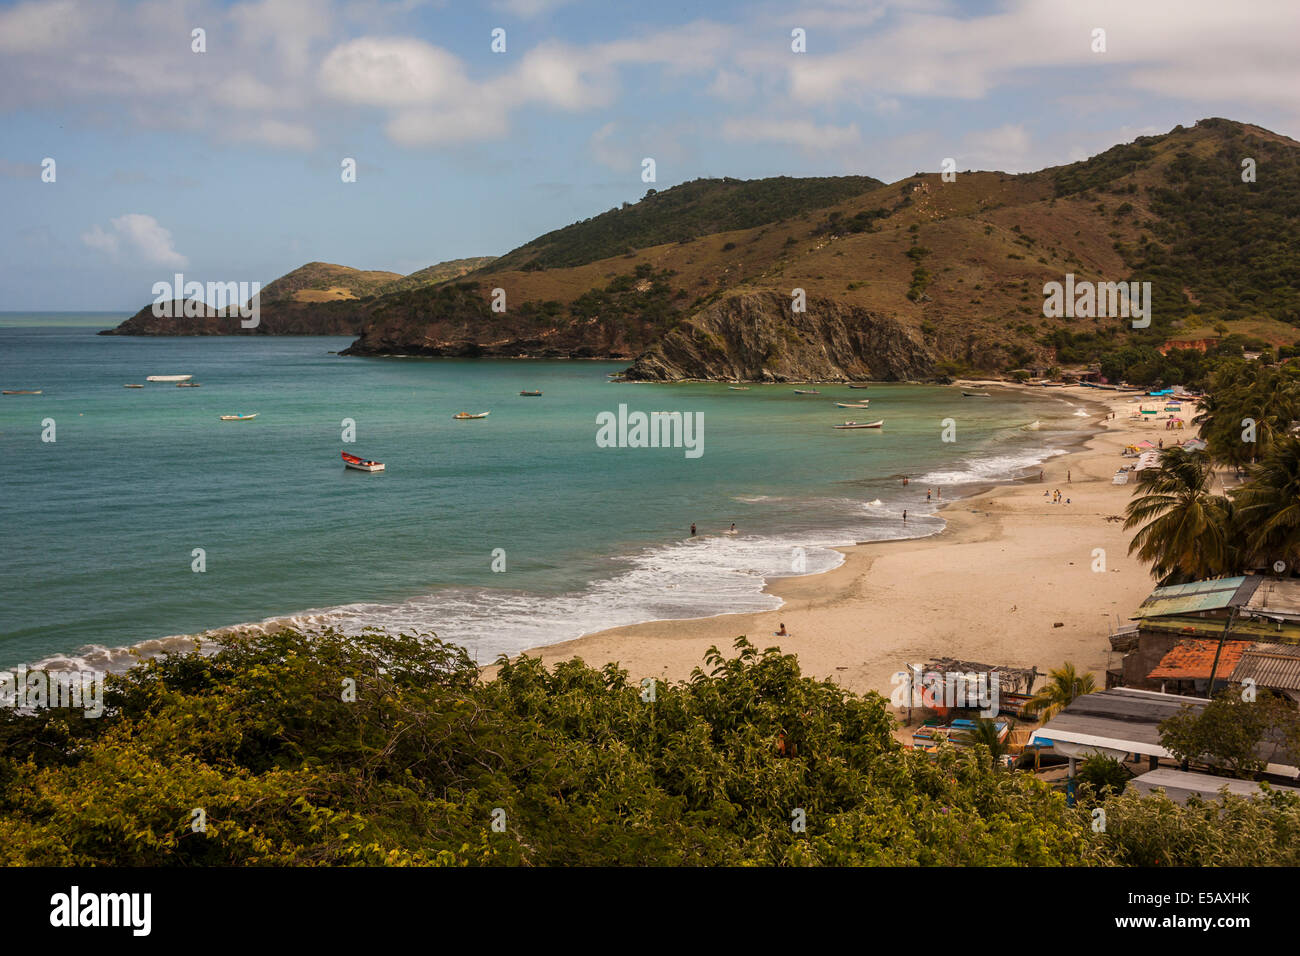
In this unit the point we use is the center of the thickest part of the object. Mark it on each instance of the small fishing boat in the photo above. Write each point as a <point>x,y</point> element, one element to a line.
<point>528,394</point>
<point>859,386</point>
<point>465,416</point>
<point>860,424</point>
<point>133,386</point>
<point>239,418</point>
<point>361,464</point>
<point>806,391</point>
<point>188,385</point>
<point>23,391</point>
<point>861,404</point>
<point>975,394</point>
<point>739,388</point>
<point>169,378</point>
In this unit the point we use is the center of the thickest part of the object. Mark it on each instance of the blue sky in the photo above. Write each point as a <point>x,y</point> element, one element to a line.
<point>225,165</point>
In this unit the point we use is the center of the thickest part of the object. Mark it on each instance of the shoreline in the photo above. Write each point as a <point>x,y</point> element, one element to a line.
<point>992,585</point>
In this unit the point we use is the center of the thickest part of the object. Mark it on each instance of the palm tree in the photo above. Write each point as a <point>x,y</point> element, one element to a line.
<point>984,730</point>
<point>1267,507</point>
<point>1063,686</point>
<point>1186,527</point>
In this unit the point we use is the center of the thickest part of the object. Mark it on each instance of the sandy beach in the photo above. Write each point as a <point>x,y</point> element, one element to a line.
<point>1010,579</point>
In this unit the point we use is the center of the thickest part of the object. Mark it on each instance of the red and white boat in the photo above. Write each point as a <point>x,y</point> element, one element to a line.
<point>361,464</point>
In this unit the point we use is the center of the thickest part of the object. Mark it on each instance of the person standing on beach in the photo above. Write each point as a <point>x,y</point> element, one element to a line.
<point>1040,474</point>
<point>904,516</point>
<point>927,494</point>
<point>1068,479</point>
<point>692,529</point>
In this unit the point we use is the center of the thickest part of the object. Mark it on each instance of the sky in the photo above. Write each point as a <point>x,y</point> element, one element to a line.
<point>226,164</point>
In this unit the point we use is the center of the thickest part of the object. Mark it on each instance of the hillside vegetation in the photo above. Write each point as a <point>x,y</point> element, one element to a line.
<point>951,273</point>
<point>422,762</point>
<point>699,208</point>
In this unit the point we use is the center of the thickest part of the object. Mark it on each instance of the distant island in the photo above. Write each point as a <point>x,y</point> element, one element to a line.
<point>848,278</point>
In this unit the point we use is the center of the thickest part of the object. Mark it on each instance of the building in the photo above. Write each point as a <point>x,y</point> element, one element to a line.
<point>1179,785</point>
<point>1186,669</point>
<point>1124,724</point>
<point>1275,667</point>
<point>1249,608</point>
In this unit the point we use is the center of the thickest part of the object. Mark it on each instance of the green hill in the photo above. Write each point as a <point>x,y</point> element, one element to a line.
<point>683,213</point>
<point>435,274</point>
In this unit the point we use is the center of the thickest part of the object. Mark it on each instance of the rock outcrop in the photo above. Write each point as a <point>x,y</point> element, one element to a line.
<point>755,336</point>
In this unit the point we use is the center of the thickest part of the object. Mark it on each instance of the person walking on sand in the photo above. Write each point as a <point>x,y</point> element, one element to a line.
<point>1040,474</point>
<point>904,516</point>
<point>1068,479</point>
<point>927,494</point>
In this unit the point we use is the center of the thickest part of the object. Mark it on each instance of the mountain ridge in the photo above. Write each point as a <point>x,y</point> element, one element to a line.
<point>955,268</point>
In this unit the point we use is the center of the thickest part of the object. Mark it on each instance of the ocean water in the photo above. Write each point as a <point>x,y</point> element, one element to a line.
<point>102,524</point>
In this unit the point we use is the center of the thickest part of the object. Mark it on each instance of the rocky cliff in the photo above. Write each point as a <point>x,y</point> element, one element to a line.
<point>755,336</point>
<point>275,318</point>
<point>456,320</point>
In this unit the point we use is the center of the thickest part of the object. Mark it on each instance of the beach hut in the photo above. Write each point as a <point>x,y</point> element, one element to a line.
<point>1179,785</point>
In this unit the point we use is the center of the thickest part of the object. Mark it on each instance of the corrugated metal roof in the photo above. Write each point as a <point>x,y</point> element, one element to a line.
<point>1121,718</point>
<point>1270,665</point>
<point>1126,720</point>
<point>1193,659</point>
<point>1198,596</point>
<point>1276,596</point>
<point>1178,785</point>
<point>1211,628</point>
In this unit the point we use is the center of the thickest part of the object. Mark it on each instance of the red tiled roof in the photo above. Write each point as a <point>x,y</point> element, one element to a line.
<point>1192,659</point>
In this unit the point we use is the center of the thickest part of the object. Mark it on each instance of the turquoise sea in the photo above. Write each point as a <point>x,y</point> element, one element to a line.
<point>102,524</point>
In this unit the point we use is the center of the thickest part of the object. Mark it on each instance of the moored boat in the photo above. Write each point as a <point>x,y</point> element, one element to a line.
<point>975,394</point>
<point>861,404</point>
<point>465,416</point>
<point>529,394</point>
<point>133,386</point>
<point>806,391</point>
<point>361,464</point>
<point>859,386</point>
<point>23,391</point>
<point>188,385</point>
<point>239,418</point>
<point>860,424</point>
<point>169,378</point>
<point>739,388</point>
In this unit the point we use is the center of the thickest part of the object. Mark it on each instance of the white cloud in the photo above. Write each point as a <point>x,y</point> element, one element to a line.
<point>797,132</point>
<point>528,9</point>
<point>391,71</point>
<point>35,27</point>
<point>137,236</point>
